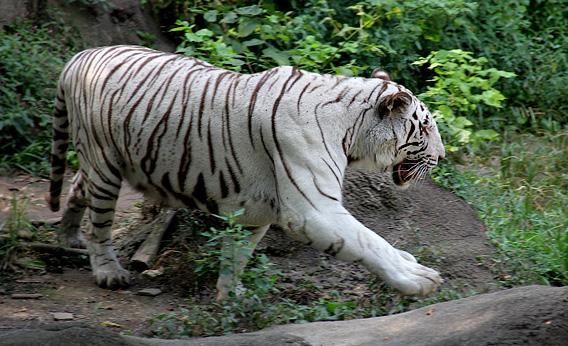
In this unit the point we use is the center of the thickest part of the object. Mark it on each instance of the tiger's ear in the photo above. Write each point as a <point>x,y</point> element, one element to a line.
<point>380,74</point>
<point>394,104</point>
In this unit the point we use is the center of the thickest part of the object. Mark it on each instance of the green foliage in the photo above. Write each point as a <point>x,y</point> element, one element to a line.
<point>461,84</point>
<point>529,38</point>
<point>256,307</point>
<point>10,230</point>
<point>409,30</point>
<point>523,200</point>
<point>252,312</point>
<point>31,58</point>
<point>223,246</point>
<point>253,38</point>
<point>146,38</point>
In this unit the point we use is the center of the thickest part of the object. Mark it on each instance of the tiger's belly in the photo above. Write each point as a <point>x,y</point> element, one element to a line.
<point>260,207</point>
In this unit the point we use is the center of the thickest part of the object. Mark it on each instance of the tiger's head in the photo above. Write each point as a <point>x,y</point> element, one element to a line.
<point>401,137</point>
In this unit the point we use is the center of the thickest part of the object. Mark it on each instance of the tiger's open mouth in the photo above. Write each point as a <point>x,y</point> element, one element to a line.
<point>400,173</point>
<point>409,170</point>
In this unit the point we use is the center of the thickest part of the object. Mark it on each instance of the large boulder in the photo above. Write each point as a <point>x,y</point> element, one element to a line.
<point>101,23</point>
<point>532,315</point>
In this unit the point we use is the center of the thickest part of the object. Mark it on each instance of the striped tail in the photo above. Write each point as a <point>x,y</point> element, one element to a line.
<point>60,144</point>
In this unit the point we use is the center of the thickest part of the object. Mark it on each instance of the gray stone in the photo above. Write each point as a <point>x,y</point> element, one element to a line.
<point>62,316</point>
<point>26,296</point>
<point>152,292</point>
<point>532,315</point>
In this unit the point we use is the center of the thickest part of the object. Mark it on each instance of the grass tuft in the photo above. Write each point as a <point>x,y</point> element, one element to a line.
<point>520,188</point>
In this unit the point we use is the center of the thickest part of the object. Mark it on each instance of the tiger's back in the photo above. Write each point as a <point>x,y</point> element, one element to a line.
<point>186,132</point>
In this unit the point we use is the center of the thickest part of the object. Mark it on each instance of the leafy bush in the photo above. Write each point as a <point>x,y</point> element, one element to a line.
<point>526,37</point>
<point>30,62</point>
<point>253,38</point>
<point>10,231</point>
<point>529,38</point>
<point>461,85</point>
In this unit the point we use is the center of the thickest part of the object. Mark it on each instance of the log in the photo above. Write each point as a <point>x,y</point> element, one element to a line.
<point>55,249</point>
<point>146,253</point>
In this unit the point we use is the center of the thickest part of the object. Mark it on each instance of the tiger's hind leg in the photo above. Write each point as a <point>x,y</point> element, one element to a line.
<point>229,280</point>
<point>103,194</point>
<point>69,232</point>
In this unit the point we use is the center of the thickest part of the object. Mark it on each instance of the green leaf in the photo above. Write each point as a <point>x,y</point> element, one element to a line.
<point>229,18</point>
<point>281,57</point>
<point>253,42</point>
<point>247,27</point>
<point>205,32</point>
<point>461,122</point>
<point>492,97</point>
<point>486,134</point>
<point>210,16</point>
<point>192,37</point>
<point>253,10</point>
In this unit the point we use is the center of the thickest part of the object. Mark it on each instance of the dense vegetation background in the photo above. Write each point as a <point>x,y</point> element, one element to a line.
<point>494,72</point>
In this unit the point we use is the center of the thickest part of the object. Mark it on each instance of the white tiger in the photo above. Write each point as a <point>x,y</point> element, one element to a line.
<point>275,143</point>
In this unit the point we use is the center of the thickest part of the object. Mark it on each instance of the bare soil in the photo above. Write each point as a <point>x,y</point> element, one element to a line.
<point>430,222</point>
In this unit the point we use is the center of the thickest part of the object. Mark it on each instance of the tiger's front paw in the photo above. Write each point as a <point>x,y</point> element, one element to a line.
<point>413,279</point>
<point>111,275</point>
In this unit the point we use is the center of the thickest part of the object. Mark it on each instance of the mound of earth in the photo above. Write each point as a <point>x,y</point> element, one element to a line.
<point>533,315</point>
<point>430,222</point>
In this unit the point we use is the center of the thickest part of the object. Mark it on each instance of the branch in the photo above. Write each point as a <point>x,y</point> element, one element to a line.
<point>55,249</point>
<point>146,253</point>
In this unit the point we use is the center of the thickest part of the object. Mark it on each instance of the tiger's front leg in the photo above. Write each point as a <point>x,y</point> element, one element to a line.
<point>336,232</point>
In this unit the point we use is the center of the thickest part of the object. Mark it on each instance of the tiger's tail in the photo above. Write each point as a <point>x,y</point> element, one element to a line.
<point>60,144</point>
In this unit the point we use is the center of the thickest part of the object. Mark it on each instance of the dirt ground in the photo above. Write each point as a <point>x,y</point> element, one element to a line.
<point>430,222</point>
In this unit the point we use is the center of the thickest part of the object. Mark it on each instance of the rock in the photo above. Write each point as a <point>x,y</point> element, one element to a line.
<point>25,233</point>
<point>12,11</point>
<point>30,281</point>
<point>113,22</point>
<point>109,324</point>
<point>532,315</point>
<point>512,317</point>
<point>51,222</point>
<point>152,292</point>
<point>61,334</point>
<point>62,316</point>
<point>26,296</point>
<point>152,273</point>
